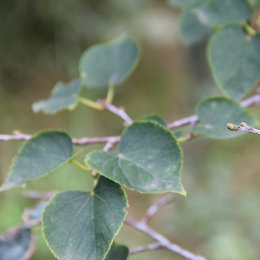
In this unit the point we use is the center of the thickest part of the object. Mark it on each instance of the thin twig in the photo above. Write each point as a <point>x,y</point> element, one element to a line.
<point>140,249</point>
<point>155,207</point>
<point>79,142</point>
<point>192,120</point>
<point>185,121</point>
<point>111,144</point>
<point>34,194</point>
<point>164,242</point>
<point>244,128</point>
<point>118,111</point>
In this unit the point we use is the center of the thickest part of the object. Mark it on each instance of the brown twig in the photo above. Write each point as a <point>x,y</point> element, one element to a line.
<point>163,242</point>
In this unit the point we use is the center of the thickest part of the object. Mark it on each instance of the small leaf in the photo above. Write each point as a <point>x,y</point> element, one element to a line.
<point>40,155</point>
<point>149,160</point>
<point>17,244</point>
<point>154,118</point>
<point>82,225</point>
<point>191,29</point>
<point>234,59</point>
<point>117,252</point>
<point>110,63</point>
<point>214,114</point>
<point>63,96</point>
<point>219,12</point>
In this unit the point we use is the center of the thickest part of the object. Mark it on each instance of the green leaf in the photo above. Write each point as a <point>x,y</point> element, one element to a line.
<point>214,114</point>
<point>119,252</point>
<point>63,96</point>
<point>234,59</point>
<point>149,160</point>
<point>110,63</point>
<point>16,244</point>
<point>154,118</point>
<point>219,12</point>
<point>191,29</point>
<point>82,225</point>
<point>40,155</point>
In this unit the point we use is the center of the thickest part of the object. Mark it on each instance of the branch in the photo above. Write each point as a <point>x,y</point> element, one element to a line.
<point>79,142</point>
<point>155,207</point>
<point>34,194</point>
<point>193,120</point>
<point>145,248</point>
<point>118,111</point>
<point>244,128</point>
<point>185,121</point>
<point>162,241</point>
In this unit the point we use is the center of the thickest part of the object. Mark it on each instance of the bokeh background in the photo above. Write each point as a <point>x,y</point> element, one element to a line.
<point>41,42</point>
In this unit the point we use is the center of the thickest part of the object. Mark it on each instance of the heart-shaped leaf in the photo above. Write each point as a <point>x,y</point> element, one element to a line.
<point>191,29</point>
<point>40,155</point>
<point>17,244</point>
<point>219,12</point>
<point>110,63</point>
<point>119,252</point>
<point>214,114</point>
<point>82,225</point>
<point>234,59</point>
<point>63,96</point>
<point>149,160</point>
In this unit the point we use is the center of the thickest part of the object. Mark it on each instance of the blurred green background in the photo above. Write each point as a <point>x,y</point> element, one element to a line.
<point>41,42</point>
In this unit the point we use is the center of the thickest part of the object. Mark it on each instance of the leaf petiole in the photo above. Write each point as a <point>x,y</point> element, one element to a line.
<point>90,103</point>
<point>110,93</point>
<point>80,165</point>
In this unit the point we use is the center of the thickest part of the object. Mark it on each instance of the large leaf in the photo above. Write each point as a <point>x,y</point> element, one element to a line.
<point>218,12</point>
<point>17,244</point>
<point>40,155</point>
<point>214,114</point>
<point>191,29</point>
<point>82,225</point>
<point>109,63</point>
<point>149,160</point>
<point>235,60</point>
<point>63,96</point>
<point>117,252</point>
